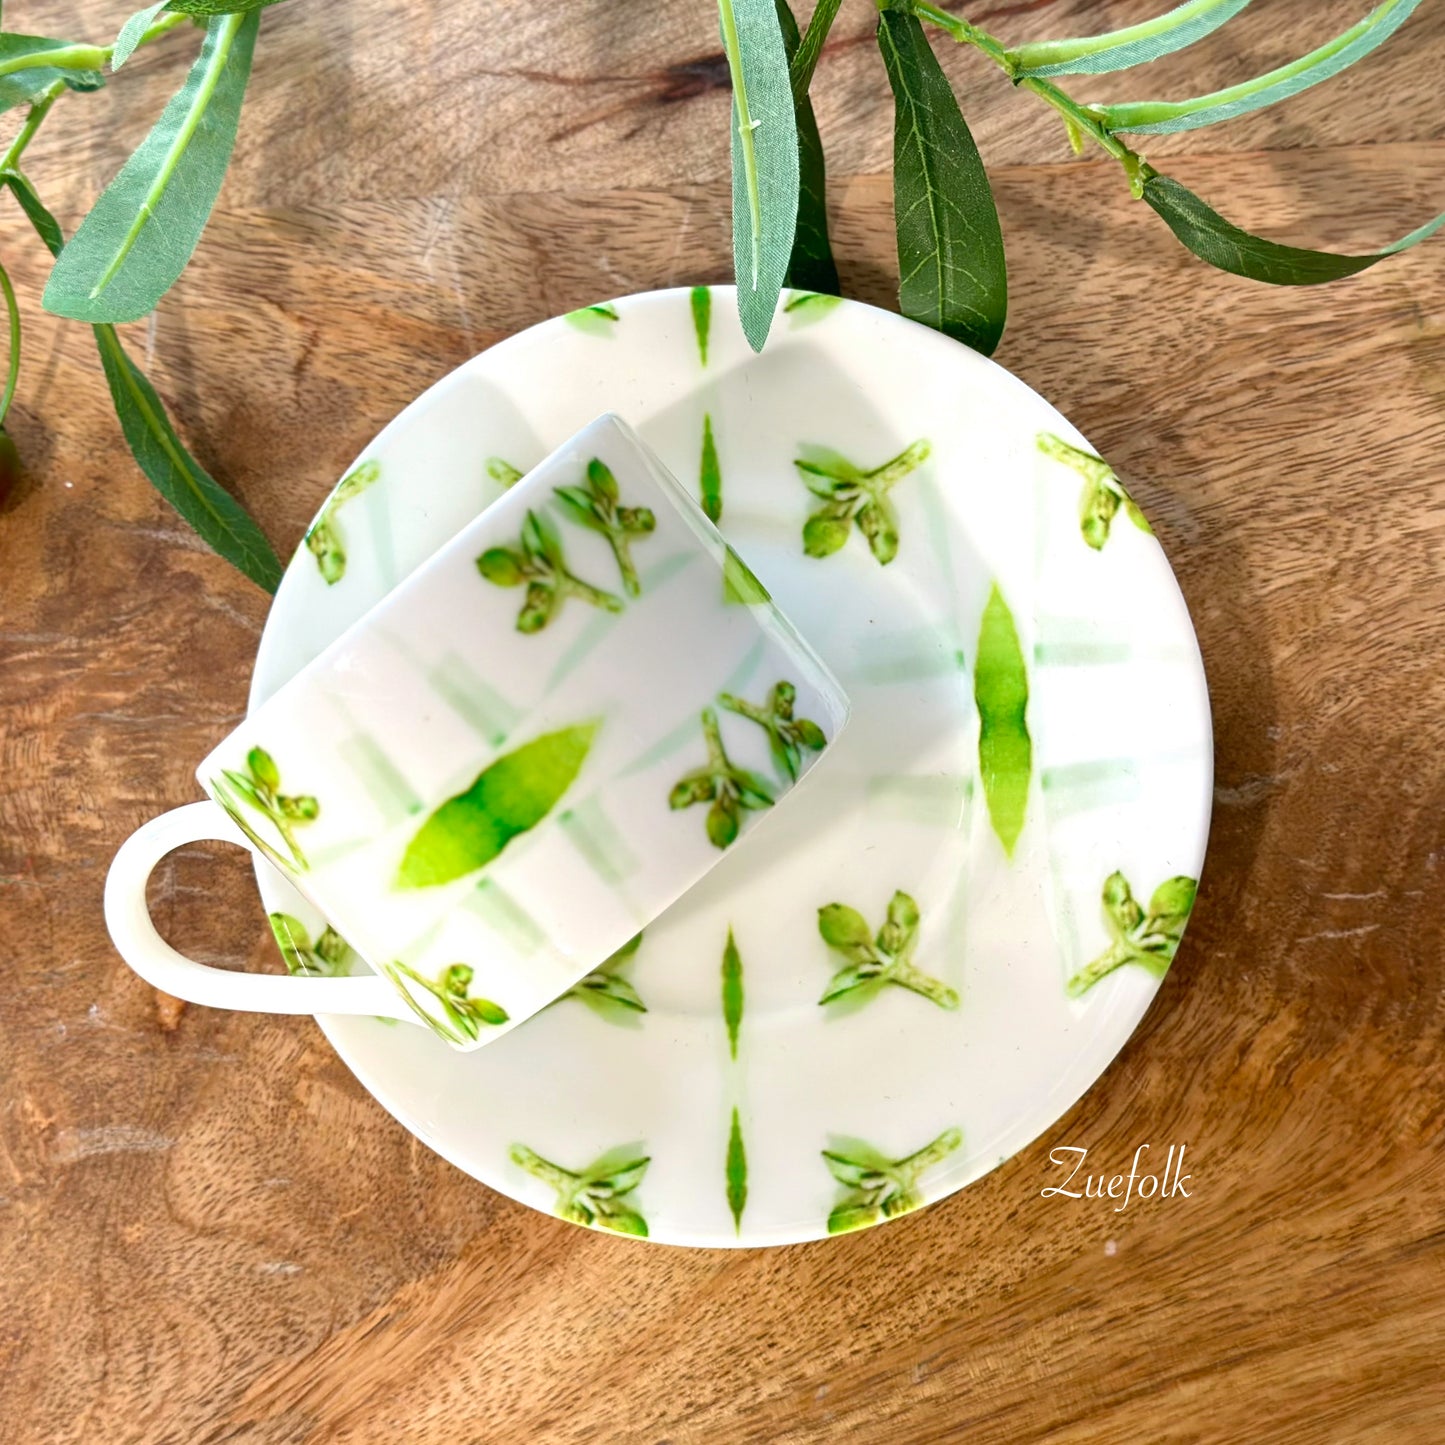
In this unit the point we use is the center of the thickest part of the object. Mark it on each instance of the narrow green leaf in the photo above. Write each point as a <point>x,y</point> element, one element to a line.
<point>508,798</point>
<point>1162,117</point>
<point>952,271</point>
<point>131,32</point>
<point>810,266</point>
<point>710,474</point>
<point>701,303</point>
<point>737,1173</point>
<point>594,320</point>
<point>46,226</point>
<point>764,160</point>
<point>1135,45</point>
<point>732,992</point>
<point>24,73</point>
<point>804,60</point>
<point>1001,692</point>
<point>147,222</point>
<point>740,586</point>
<point>221,521</point>
<point>1225,246</point>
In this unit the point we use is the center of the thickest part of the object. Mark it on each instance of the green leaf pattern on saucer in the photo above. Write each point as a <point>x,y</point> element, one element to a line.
<point>597,1194</point>
<point>605,991</point>
<point>852,496</point>
<point>1147,937</point>
<point>876,1188</point>
<point>324,538</point>
<point>1103,492</point>
<point>874,962</point>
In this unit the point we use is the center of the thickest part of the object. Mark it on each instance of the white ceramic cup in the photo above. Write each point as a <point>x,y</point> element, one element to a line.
<point>492,781</point>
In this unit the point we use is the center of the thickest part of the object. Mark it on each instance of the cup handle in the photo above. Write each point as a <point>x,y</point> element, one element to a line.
<point>135,937</point>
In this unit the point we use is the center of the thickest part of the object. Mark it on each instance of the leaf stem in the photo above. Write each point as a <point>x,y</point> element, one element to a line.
<point>38,111</point>
<point>227,27</point>
<point>13,372</point>
<point>1057,53</point>
<point>84,57</point>
<point>732,48</point>
<point>810,48</point>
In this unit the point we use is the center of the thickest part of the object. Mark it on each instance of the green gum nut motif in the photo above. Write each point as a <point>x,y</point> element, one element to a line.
<point>874,962</point>
<point>729,789</point>
<point>597,506</point>
<point>539,563</point>
<point>877,1188</point>
<point>1147,937</point>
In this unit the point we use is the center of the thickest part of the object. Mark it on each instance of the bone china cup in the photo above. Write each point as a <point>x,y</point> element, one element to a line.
<point>531,747</point>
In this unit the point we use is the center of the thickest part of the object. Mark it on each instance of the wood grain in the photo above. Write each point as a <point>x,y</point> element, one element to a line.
<point>208,1232</point>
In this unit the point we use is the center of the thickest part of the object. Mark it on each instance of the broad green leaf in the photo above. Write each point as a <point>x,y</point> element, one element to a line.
<point>732,992</point>
<point>23,73</point>
<point>764,160</point>
<point>700,301</point>
<point>950,250</point>
<point>142,231</point>
<point>1135,45</point>
<point>221,521</point>
<point>810,266</point>
<point>1001,692</point>
<point>710,473</point>
<point>508,798</point>
<point>1225,246</point>
<point>1161,117</point>
<point>737,1173</point>
<point>206,8</point>
<point>131,32</point>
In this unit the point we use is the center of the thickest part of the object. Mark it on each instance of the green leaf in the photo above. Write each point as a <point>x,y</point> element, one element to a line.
<point>854,976</point>
<point>1173,901</point>
<point>507,799</point>
<point>710,474</point>
<point>503,472</point>
<point>1001,692</point>
<point>580,507</point>
<point>222,522</point>
<point>1213,239</point>
<point>24,80</point>
<point>46,226</point>
<point>764,160</point>
<point>737,1173</point>
<point>950,248</point>
<point>804,60</point>
<point>207,8</point>
<point>263,768</point>
<point>292,939</point>
<point>849,1216</point>
<point>811,264</point>
<point>1162,117</point>
<point>1135,45</point>
<point>740,586</point>
<point>843,927</point>
<point>141,232</point>
<point>903,912</point>
<point>131,32</point>
<point>732,992</point>
<point>855,1173</point>
<point>701,303</point>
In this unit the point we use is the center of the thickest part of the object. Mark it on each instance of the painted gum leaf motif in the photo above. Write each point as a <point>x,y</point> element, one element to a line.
<point>604,990</point>
<point>259,787</point>
<point>324,540</point>
<point>1149,937</point>
<point>805,307</point>
<point>874,962</point>
<point>701,303</point>
<point>509,797</point>
<point>539,563</point>
<point>1103,492</point>
<point>1001,692</point>
<point>736,1170</point>
<point>732,993</point>
<point>598,507</point>
<point>594,1196</point>
<point>876,1188</point>
<point>462,1018</point>
<point>709,474</point>
<point>850,494</point>
<point>787,735</point>
<point>329,957</point>
<point>594,320</point>
<point>501,471</point>
<point>729,789</point>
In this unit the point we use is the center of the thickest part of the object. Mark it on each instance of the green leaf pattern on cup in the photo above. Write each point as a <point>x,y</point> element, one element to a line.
<point>1103,492</point>
<point>605,991</point>
<point>539,563</point>
<point>804,307</point>
<point>1147,937</point>
<point>739,583</point>
<point>876,961</point>
<point>597,1195</point>
<point>329,957</point>
<point>732,993</point>
<point>1001,693</point>
<point>709,474</point>
<point>598,507</point>
<point>259,787</point>
<point>324,539</point>
<point>787,735</point>
<point>594,320</point>
<point>728,789</point>
<point>462,1017</point>
<point>876,1188</point>
<point>700,300</point>
<point>852,495</point>
<point>508,797</point>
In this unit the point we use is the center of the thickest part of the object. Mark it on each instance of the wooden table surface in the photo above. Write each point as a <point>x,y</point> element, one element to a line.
<point>209,1232</point>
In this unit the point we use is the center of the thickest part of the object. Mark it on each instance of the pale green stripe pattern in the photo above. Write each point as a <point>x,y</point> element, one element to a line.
<point>474,700</point>
<point>597,838</point>
<point>392,795</point>
<point>506,917</point>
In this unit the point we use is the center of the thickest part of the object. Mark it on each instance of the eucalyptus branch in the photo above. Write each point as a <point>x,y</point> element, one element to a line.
<point>12,374</point>
<point>39,109</point>
<point>82,57</point>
